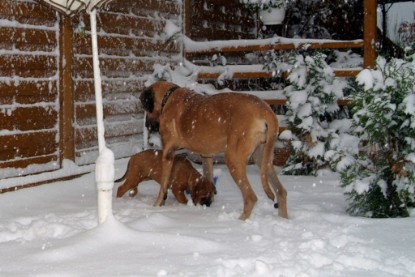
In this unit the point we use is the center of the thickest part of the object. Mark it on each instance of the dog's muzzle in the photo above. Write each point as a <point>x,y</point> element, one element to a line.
<point>152,126</point>
<point>206,201</point>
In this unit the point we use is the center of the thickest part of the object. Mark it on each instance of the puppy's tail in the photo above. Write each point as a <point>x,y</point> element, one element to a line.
<point>122,178</point>
<point>125,174</point>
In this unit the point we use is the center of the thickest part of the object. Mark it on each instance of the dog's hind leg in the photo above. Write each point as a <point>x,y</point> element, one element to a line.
<point>281,193</point>
<point>257,157</point>
<point>236,162</point>
<point>275,183</point>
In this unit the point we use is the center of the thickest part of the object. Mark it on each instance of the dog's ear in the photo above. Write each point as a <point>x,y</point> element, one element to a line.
<point>147,100</point>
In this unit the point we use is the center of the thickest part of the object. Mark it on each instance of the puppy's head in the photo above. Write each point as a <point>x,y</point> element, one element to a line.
<point>151,99</point>
<point>203,191</point>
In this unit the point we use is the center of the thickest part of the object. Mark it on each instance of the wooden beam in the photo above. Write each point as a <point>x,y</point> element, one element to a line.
<point>282,102</point>
<point>267,75</point>
<point>35,184</point>
<point>346,73</point>
<point>66,92</point>
<point>369,33</point>
<point>187,7</point>
<point>282,46</point>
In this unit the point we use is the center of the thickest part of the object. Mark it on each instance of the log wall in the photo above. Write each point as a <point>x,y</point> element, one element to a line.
<point>218,20</point>
<point>29,94</point>
<point>47,103</point>
<point>130,43</point>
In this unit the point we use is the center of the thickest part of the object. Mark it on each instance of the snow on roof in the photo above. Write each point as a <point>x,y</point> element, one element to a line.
<point>71,7</point>
<point>393,1</point>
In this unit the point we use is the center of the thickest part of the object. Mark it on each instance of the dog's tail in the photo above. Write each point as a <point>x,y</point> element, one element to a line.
<point>272,128</point>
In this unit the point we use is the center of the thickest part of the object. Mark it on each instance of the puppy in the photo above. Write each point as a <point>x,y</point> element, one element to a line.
<point>146,165</point>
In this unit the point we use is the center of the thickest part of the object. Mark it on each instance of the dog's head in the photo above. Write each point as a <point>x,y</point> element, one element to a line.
<point>203,191</point>
<point>152,100</point>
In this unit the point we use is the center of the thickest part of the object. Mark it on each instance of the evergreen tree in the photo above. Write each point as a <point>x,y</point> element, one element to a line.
<point>312,103</point>
<point>379,178</point>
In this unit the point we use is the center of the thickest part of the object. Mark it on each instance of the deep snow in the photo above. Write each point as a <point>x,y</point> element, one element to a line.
<point>52,230</point>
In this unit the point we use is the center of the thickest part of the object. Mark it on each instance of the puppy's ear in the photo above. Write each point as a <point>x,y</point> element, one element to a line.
<point>147,100</point>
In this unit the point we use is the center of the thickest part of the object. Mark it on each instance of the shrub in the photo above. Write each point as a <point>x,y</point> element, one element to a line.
<point>379,178</point>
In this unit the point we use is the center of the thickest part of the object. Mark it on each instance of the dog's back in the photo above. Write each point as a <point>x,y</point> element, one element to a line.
<point>207,122</point>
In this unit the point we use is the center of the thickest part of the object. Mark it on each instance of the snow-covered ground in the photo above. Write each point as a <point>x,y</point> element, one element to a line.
<point>52,230</point>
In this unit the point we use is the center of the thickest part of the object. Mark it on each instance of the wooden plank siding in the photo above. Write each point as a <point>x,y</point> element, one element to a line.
<point>218,20</point>
<point>29,94</point>
<point>47,101</point>
<point>130,44</point>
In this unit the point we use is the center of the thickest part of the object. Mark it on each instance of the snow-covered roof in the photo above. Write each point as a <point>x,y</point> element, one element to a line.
<point>393,1</point>
<point>71,7</point>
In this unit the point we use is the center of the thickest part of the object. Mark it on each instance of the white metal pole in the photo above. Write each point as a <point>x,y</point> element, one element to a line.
<point>104,165</point>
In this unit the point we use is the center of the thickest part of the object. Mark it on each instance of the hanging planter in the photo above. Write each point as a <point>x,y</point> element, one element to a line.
<point>271,12</point>
<point>272,16</point>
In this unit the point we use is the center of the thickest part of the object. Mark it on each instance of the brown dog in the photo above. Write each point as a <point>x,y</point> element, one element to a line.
<point>146,165</point>
<point>234,123</point>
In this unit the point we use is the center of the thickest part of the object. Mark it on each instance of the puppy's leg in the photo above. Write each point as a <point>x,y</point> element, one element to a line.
<point>131,184</point>
<point>178,192</point>
<point>130,178</point>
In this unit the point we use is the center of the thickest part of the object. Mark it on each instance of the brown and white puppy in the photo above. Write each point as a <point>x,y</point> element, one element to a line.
<point>240,125</point>
<point>146,165</point>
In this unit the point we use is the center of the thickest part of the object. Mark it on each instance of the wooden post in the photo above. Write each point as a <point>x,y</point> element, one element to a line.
<point>188,18</point>
<point>369,33</point>
<point>187,28</point>
<point>66,95</point>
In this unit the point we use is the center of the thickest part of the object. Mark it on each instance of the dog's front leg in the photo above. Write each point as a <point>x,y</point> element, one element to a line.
<point>166,167</point>
<point>207,163</point>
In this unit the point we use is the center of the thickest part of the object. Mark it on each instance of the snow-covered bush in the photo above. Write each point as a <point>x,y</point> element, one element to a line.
<point>379,175</point>
<point>312,104</point>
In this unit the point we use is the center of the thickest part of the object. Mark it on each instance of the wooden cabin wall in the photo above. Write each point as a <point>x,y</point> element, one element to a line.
<point>47,103</point>
<point>29,94</point>
<point>218,20</point>
<point>130,43</point>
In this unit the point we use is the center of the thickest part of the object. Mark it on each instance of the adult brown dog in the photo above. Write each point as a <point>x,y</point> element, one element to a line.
<point>239,125</point>
<point>146,165</point>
